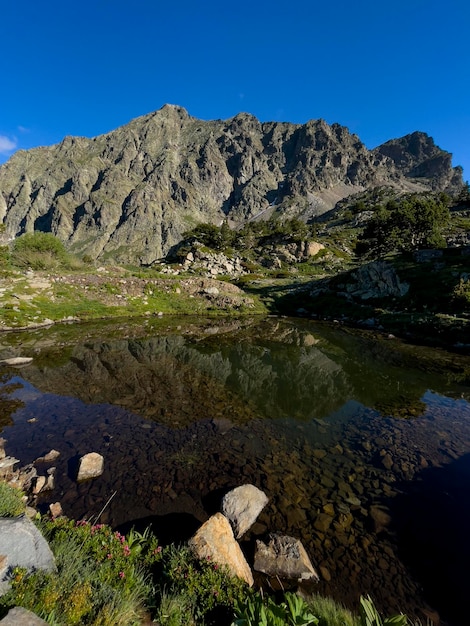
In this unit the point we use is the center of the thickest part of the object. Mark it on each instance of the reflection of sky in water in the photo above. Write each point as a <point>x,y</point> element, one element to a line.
<point>27,392</point>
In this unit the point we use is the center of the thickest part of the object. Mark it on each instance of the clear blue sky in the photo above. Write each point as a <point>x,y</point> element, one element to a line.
<point>383,68</point>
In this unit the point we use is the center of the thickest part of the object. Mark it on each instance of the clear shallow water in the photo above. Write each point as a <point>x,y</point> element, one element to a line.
<point>336,428</point>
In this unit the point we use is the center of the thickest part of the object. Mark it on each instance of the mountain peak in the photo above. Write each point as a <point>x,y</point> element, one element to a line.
<point>130,194</point>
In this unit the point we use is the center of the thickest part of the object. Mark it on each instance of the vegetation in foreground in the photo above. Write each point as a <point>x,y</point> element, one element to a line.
<point>105,578</point>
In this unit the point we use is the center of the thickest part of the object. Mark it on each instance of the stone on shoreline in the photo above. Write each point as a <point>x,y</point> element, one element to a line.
<point>215,541</point>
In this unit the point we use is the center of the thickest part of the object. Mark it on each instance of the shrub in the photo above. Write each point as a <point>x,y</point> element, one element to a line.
<point>38,250</point>
<point>413,222</point>
<point>209,587</point>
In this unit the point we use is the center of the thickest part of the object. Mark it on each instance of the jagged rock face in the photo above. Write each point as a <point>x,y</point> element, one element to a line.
<point>417,157</point>
<point>130,194</point>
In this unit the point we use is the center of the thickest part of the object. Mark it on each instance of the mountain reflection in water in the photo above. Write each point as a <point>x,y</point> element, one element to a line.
<point>314,416</point>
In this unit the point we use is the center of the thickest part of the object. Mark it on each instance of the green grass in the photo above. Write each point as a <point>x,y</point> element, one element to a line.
<point>11,501</point>
<point>100,580</point>
<point>331,613</point>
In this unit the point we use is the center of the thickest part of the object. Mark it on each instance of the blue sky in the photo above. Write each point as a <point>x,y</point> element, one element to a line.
<point>382,68</point>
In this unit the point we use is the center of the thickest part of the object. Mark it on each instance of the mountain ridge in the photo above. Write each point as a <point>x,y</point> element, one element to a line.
<point>129,194</point>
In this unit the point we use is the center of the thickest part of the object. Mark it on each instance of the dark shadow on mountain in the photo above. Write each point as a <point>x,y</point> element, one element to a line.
<point>433,520</point>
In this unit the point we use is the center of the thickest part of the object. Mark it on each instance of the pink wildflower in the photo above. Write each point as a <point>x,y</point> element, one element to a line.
<point>121,575</point>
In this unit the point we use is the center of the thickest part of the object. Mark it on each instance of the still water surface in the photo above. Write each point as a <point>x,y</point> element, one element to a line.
<point>361,443</point>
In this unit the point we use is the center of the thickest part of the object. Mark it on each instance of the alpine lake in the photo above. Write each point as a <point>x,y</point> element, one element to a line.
<point>360,441</point>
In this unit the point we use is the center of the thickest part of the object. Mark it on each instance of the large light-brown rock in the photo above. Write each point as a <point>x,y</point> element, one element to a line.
<point>91,465</point>
<point>242,506</point>
<point>215,540</point>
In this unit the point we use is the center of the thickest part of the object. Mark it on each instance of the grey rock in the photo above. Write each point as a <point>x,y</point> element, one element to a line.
<point>24,546</point>
<point>17,361</point>
<point>19,616</point>
<point>376,280</point>
<point>242,506</point>
<point>284,557</point>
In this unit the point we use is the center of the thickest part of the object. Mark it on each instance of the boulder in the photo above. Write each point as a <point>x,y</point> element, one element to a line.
<point>17,361</point>
<point>284,557</point>
<point>19,616</point>
<point>91,465</point>
<point>23,545</point>
<point>215,541</point>
<point>7,464</point>
<point>242,506</point>
<point>377,279</point>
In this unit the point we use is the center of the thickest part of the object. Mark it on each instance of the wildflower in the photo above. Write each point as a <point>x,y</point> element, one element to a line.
<point>121,575</point>
<point>109,555</point>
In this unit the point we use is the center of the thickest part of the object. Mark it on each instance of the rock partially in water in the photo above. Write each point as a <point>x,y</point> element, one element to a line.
<point>284,557</point>
<point>51,456</point>
<point>91,465</point>
<point>242,506</point>
<point>215,541</point>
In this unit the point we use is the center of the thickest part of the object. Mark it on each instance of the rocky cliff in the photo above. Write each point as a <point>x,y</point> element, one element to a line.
<point>130,194</point>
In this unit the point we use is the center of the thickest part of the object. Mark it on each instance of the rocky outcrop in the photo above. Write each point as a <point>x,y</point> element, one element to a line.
<point>130,194</point>
<point>417,157</point>
<point>378,279</point>
<point>212,263</point>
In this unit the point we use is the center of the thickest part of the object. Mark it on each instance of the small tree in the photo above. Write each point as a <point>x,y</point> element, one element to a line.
<point>413,222</point>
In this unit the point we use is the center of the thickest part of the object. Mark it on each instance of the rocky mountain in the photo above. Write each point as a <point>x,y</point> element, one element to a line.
<point>130,194</point>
